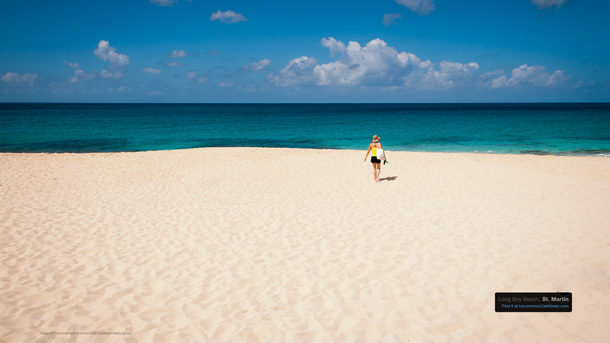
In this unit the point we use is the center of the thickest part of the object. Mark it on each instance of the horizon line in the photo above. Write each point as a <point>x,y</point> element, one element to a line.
<point>305,103</point>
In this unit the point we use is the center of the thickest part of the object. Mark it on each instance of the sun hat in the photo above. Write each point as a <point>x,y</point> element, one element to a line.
<point>376,138</point>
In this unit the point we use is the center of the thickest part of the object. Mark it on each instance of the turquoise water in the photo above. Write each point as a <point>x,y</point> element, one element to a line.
<point>573,129</point>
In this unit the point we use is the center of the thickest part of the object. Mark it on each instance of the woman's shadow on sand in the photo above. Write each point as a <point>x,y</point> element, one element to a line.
<point>389,178</point>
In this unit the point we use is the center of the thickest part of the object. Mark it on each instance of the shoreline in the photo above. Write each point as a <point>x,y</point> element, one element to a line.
<point>314,149</point>
<point>246,244</point>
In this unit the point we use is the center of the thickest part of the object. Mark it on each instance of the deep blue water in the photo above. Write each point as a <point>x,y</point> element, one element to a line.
<point>575,129</point>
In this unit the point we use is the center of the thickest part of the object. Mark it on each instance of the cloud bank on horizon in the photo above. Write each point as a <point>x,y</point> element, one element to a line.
<point>229,69</point>
<point>379,65</point>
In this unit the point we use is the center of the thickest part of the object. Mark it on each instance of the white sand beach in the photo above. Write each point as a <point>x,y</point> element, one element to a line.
<point>292,245</point>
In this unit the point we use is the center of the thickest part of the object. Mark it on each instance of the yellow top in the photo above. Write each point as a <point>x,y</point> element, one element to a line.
<point>374,152</point>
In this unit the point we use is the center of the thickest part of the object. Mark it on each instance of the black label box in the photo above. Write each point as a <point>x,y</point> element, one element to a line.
<point>533,302</point>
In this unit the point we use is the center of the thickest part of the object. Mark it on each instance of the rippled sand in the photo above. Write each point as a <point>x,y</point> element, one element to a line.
<point>289,245</point>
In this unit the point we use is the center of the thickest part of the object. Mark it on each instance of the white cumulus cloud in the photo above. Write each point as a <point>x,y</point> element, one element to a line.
<point>108,53</point>
<point>151,70</point>
<point>378,65</point>
<point>257,66</point>
<point>164,2</point>
<point>389,19</point>
<point>449,75</point>
<point>544,4</point>
<point>174,64</point>
<point>526,75</point>
<point>421,7</point>
<point>177,54</point>
<point>117,61</point>
<point>333,45</point>
<point>375,64</point>
<point>228,17</point>
<point>298,72</point>
<point>79,74</point>
<point>16,79</point>
<point>191,75</point>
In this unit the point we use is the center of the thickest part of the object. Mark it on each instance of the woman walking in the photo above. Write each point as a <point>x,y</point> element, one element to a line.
<point>374,157</point>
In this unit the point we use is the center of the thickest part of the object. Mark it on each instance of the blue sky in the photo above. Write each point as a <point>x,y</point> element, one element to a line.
<point>314,51</point>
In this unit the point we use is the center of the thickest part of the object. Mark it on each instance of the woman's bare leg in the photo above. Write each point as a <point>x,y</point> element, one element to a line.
<point>377,170</point>
<point>374,172</point>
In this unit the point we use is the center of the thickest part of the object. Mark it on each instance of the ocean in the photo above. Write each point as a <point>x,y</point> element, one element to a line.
<point>558,129</point>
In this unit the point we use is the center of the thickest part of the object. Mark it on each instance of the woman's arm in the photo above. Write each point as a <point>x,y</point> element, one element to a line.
<point>367,153</point>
